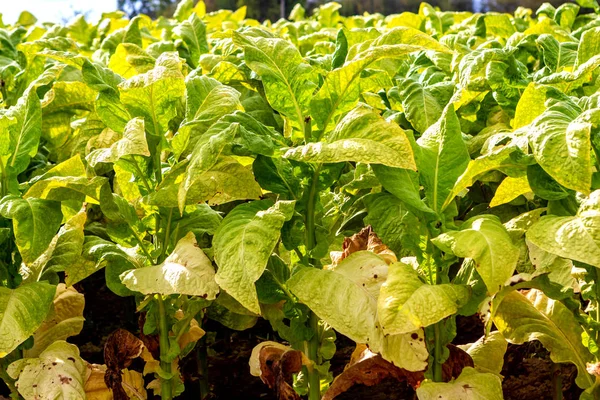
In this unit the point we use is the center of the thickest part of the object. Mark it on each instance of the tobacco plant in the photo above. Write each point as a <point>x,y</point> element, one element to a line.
<point>212,166</point>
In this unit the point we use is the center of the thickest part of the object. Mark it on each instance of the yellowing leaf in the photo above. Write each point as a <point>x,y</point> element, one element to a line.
<point>510,189</point>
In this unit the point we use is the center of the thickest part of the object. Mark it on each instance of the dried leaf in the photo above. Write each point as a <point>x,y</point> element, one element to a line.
<point>369,369</point>
<point>121,348</point>
<point>455,363</point>
<point>96,389</point>
<point>276,364</point>
<point>366,239</point>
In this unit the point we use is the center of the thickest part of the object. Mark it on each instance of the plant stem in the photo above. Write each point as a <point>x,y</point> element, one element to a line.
<point>203,368</point>
<point>314,380</point>
<point>557,393</point>
<point>167,238</point>
<point>310,214</point>
<point>163,336</point>
<point>4,188</point>
<point>437,350</point>
<point>141,174</point>
<point>437,353</point>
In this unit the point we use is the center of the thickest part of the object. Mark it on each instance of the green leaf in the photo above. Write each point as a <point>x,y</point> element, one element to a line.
<point>508,159</point>
<point>207,101</point>
<point>193,33</point>
<point>470,385</point>
<point>243,244</point>
<point>35,222</point>
<point>398,228</point>
<point>485,240</point>
<point>422,107</point>
<point>588,46</point>
<point>488,353</point>
<point>362,136</point>
<point>24,129</point>
<point>404,184</point>
<point>239,133</point>
<point>289,81</point>
<point>561,145</point>
<point>524,318</point>
<point>277,176</point>
<point>556,55</point>
<point>340,91</point>
<point>407,304</point>
<point>132,143</point>
<point>66,181</point>
<point>443,158</point>
<point>58,373</point>
<point>100,78</point>
<point>154,96</point>
<point>576,237</point>
<point>22,311</point>
<point>187,270</point>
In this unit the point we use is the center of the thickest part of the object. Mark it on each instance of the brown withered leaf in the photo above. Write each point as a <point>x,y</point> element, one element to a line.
<point>369,369</point>
<point>121,348</point>
<point>150,341</point>
<point>368,240</point>
<point>277,364</point>
<point>96,389</point>
<point>455,363</point>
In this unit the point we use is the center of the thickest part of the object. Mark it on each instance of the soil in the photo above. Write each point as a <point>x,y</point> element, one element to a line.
<point>528,372</point>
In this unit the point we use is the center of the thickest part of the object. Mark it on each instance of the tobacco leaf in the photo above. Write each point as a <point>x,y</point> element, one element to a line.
<point>121,348</point>
<point>276,364</point>
<point>369,369</point>
<point>366,239</point>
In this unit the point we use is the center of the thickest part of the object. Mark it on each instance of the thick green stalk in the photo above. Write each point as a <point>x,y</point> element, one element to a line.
<point>202,356</point>
<point>166,392</point>
<point>557,393</point>
<point>437,354</point>
<point>437,335</point>
<point>314,380</point>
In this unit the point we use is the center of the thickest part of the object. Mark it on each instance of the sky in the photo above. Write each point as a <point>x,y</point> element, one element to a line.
<point>54,10</point>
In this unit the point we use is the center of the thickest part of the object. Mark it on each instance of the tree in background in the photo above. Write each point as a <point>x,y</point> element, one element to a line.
<point>152,8</point>
<point>274,9</point>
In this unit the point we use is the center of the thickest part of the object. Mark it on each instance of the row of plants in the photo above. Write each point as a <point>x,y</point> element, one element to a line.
<point>369,176</point>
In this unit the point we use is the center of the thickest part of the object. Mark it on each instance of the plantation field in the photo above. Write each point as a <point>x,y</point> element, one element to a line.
<point>367,207</point>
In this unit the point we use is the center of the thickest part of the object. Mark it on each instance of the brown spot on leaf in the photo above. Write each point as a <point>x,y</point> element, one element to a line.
<point>414,336</point>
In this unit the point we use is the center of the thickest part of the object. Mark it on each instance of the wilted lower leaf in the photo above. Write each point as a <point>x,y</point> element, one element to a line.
<point>57,373</point>
<point>120,349</point>
<point>64,320</point>
<point>275,364</point>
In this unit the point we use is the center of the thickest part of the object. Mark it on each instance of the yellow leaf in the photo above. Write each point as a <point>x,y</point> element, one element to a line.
<point>510,189</point>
